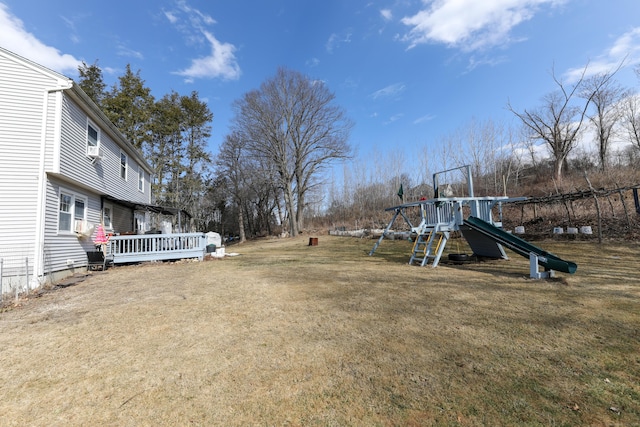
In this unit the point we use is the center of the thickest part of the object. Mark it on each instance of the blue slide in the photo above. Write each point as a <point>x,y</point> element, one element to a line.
<point>520,246</point>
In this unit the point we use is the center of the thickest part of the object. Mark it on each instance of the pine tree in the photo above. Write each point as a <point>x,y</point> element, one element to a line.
<point>91,82</point>
<point>129,106</point>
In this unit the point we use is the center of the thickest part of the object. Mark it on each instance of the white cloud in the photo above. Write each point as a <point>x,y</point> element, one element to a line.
<point>73,35</point>
<point>313,62</point>
<point>195,16</point>
<point>469,24</point>
<point>393,118</point>
<point>171,17</point>
<point>16,38</point>
<point>335,40</point>
<point>386,14</point>
<point>111,71</point>
<point>425,118</point>
<point>475,62</point>
<point>129,53</point>
<point>625,48</point>
<point>391,90</point>
<point>221,63</point>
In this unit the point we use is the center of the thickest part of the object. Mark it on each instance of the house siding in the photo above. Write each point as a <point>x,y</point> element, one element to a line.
<point>43,120</point>
<point>22,97</point>
<point>102,176</point>
<point>60,247</point>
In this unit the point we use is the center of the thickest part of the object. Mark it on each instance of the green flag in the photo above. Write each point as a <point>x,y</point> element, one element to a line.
<point>401,193</point>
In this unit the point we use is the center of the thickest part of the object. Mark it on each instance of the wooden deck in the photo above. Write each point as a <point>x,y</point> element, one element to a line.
<point>156,247</point>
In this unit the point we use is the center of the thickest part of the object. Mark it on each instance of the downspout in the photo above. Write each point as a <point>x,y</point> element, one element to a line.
<point>38,254</point>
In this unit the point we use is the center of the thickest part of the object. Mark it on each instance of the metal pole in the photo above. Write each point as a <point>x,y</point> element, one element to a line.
<point>1,289</point>
<point>26,273</point>
<point>385,232</point>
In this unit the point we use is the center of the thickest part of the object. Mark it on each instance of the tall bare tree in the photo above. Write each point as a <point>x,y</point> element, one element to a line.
<point>631,119</point>
<point>606,96</point>
<point>293,123</point>
<point>558,121</point>
<point>631,116</point>
<point>230,163</point>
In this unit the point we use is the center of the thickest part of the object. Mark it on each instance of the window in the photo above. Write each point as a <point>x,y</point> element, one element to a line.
<point>79,210</point>
<point>106,216</point>
<point>93,136</point>
<point>93,141</point>
<point>64,218</point>
<point>72,212</point>
<point>141,222</point>
<point>123,165</point>
<point>140,179</point>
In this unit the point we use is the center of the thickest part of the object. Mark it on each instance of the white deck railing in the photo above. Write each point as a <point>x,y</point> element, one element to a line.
<point>156,247</point>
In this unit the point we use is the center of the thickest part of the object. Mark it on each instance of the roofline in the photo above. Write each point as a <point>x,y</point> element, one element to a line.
<point>164,210</point>
<point>64,80</point>
<point>68,85</point>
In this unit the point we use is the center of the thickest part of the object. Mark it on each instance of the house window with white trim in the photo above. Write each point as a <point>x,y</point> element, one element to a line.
<point>93,135</point>
<point>93,140</point>
<point>140,179</point>
<point>72,213</point>
<point>123,165</point>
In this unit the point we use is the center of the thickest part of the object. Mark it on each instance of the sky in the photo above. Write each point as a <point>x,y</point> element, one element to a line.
<point>407,72</point>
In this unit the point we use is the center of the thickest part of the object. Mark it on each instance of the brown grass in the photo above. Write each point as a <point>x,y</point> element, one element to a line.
<point>290,334</point>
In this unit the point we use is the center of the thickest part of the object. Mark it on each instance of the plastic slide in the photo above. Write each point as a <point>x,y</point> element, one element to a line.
<point>520,246</point>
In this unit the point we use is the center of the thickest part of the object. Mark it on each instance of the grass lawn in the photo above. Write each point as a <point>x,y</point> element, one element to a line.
<point>291,334</point>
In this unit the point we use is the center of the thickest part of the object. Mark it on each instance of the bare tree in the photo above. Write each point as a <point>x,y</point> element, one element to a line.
<point>230,164</point>
<point>606,96</point>
<point>293,123</point>
<point>631,119</point>
<point>559,120</point>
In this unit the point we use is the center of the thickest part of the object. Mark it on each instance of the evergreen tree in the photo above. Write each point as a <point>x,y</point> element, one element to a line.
<point>129,106</point>
<point>196,130</point>
<point>91,82</point>
<point>163,150</point>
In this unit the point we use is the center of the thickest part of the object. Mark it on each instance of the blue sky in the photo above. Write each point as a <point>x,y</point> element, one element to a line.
<point>407,71</point>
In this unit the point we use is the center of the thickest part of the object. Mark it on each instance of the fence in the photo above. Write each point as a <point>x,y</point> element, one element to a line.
<point>16,268</point>
<point>156,247</point>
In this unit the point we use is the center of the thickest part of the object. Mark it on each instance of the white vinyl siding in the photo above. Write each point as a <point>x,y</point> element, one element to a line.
<point>45,128</point>
<point>103,175</point>
<point>23,95</point>
<point>60,247</point>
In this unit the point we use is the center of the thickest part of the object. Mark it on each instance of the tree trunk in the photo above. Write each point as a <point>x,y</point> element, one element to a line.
<point>557,169</point>
<point>288,200</point>
<point>243,236</point>
<point>299,212</point>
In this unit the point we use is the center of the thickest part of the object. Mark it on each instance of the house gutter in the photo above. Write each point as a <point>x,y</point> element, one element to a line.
<point>38,256</point>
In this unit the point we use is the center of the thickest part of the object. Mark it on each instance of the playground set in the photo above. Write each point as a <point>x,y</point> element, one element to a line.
<point>473,218</point>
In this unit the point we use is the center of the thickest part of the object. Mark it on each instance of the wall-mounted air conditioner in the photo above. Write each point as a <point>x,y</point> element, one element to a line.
<point>94,152</point>
<point>79,226</point>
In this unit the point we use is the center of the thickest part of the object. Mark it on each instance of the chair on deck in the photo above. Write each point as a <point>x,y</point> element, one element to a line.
<point>96,259</point>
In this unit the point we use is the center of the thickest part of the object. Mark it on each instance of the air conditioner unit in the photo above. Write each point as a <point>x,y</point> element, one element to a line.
<point>94,151</point>
<point>78,226</point>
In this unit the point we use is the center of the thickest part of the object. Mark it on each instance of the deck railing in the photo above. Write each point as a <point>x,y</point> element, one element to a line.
<point>156,247</point>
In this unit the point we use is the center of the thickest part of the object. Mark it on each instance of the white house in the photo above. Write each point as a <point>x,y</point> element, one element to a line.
<point>64,168</point>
